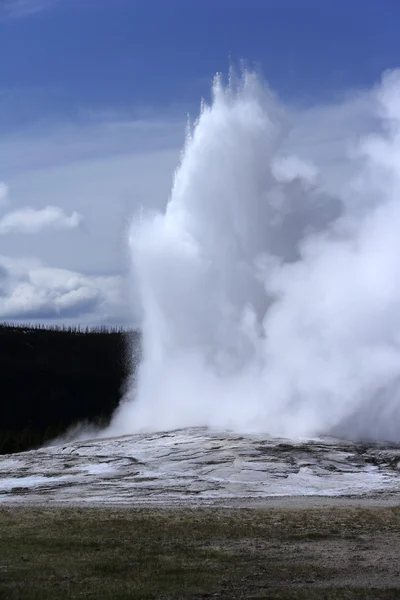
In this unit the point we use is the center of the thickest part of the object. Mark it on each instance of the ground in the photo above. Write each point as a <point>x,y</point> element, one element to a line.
<point>197,466</point>
<point>197,514</point>
<point>334,551</point>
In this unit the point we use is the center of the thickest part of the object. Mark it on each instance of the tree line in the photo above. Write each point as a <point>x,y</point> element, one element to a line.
<point>52,378</point>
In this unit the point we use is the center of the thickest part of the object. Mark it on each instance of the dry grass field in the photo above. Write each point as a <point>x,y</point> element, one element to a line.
<point>326,553</point>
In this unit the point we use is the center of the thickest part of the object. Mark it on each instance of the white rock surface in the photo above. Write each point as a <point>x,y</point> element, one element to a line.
<point>196,465</point>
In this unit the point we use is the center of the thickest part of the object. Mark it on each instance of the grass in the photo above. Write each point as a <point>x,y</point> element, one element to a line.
<point>142,553</point>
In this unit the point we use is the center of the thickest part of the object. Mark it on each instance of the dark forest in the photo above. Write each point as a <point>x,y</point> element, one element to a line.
<point>52,379</point>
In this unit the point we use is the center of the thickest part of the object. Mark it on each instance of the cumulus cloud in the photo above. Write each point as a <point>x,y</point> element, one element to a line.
<point>33,220</point>
<point>30,290</point>
<point>30,220</point>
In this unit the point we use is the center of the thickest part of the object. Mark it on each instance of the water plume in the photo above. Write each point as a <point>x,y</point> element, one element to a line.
<point>268,304</point>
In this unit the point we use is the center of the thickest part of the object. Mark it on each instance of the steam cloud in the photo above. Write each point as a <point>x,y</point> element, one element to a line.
<point>269,305</point>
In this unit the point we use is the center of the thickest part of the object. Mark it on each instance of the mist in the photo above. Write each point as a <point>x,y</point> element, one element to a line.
<point>270,305</point>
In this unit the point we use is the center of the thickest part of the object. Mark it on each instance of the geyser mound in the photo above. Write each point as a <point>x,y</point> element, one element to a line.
<point>269,305</point>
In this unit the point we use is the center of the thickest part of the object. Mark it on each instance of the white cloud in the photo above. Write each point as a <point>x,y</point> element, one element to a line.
<point>30,220</point>
<point>29,291</point>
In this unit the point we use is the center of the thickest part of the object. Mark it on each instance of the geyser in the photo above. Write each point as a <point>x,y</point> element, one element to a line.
<point>269,305</point>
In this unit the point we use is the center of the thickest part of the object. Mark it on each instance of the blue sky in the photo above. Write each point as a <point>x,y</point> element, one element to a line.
<point>93,99</point>
<point>100,54</point>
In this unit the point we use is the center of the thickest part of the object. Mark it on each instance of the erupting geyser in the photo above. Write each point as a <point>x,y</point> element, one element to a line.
<point>269,305</point>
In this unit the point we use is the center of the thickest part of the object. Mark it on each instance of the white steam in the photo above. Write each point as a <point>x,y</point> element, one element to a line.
<point>269,305</point>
